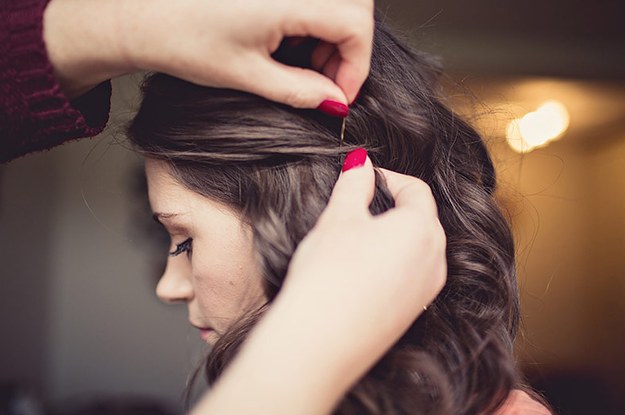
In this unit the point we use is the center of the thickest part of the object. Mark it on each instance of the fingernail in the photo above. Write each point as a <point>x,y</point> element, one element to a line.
<point>334,108</point>
<point>355,158</point>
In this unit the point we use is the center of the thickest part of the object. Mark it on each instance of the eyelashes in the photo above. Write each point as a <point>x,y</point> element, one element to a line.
<point>182,247</point>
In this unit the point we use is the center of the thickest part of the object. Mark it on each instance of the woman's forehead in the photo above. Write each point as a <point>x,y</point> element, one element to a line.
<point>170,199</point>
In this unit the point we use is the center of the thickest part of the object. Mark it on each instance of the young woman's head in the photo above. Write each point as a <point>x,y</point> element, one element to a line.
<point>238,182</point>
<point>212,265</point>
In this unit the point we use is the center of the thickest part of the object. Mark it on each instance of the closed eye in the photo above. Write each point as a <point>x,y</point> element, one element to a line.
<point>182,247</point>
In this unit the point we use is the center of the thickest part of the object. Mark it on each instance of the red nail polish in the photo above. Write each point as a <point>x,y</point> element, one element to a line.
<point>355,158</point>
<point>334,108</point>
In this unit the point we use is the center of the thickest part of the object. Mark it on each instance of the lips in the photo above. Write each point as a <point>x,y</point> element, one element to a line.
<point>207,334</point>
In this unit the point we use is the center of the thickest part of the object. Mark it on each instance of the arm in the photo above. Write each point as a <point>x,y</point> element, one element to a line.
<point>354,286</point>
<point>212,43</point>
<point>61,51</point>
<point>34,112</point>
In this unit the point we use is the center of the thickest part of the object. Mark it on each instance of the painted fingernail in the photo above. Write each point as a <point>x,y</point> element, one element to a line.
<point>355,158</point>
<point>334,108</point>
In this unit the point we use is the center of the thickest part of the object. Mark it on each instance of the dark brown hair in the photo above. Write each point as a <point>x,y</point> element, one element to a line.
<point>277,166</point>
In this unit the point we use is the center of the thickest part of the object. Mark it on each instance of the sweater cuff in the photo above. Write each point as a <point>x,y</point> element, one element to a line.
<point>49,118</point>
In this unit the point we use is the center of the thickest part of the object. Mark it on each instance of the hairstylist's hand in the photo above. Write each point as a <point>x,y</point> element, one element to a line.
<point>354,286</point>
<point>372,275</point>
<point>213,42</point>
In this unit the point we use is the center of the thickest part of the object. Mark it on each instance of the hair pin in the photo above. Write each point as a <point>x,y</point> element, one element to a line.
<point>343,131</point>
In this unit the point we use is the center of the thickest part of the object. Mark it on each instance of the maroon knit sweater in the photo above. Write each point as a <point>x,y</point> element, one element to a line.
<point>34,113</point>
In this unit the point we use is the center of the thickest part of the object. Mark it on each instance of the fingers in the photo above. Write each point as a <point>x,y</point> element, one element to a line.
<point>298,87</point>
<point>416,214</point>
<point>348,26</point>
<point>410,192</point>
<point>353,190</point>
<point>332,66</point>
<point>321,55</point>
<point>353,69</point>
<point>326,59</point>
<point>341,58</point>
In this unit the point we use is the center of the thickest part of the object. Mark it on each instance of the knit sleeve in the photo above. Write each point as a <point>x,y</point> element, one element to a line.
<point>34,114</point>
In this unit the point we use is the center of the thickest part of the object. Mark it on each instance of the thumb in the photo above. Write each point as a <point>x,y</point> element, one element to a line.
<point>297,87</point>
<point>353,191</point>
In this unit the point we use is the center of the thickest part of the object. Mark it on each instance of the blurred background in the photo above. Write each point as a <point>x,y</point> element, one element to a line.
<point>545,84</point>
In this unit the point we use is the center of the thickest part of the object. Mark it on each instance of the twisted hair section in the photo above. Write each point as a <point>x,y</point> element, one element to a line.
<point>277,166</point>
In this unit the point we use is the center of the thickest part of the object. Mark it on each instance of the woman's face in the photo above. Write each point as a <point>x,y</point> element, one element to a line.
<point>212,263</point>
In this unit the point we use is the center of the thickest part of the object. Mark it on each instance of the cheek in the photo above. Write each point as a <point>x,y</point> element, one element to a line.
<point>224,288</point>
<point>211,283</point>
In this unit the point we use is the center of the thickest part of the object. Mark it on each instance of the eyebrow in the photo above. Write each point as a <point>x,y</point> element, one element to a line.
<point>158,216</point>
<point>172,227</point>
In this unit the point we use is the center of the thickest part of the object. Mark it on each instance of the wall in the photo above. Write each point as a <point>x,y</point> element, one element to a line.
<point>567,204</point>
<point>606,247</point>
<point>25,236</point>
<point>79,315</point>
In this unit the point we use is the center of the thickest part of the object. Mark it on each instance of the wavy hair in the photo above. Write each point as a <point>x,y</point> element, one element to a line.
<point>277,166</point>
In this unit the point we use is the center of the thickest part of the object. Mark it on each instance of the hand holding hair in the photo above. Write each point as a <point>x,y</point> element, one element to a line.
<point>382,269</point>
<point>216,43</point>
<point>355,284</point>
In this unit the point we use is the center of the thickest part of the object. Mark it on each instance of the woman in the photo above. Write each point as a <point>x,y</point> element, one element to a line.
<point>53,51</point>
<point>238,182</point>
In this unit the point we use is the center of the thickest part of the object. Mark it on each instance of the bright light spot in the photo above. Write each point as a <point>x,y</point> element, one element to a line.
<point>515,139</point>
<point>537,128</point>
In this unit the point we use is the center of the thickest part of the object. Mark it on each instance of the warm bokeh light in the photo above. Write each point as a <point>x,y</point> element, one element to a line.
<point>537,128</point>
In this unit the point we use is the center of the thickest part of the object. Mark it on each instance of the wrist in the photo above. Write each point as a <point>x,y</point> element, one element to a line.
<point>301,338</point>
<point>83,43</point>
<point>291,353</point>
<point>149,35</point>
<point>335,335</point>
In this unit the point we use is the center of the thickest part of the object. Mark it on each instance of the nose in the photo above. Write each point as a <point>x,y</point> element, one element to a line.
<point>175,283</point>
